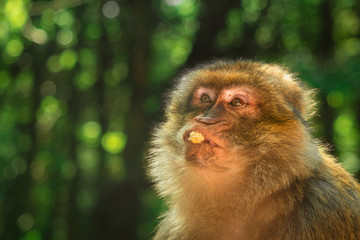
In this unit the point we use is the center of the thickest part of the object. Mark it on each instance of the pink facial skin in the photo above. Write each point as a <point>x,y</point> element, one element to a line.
<point>248,102</point>
<point>219,110</point>
<point>200,92</point>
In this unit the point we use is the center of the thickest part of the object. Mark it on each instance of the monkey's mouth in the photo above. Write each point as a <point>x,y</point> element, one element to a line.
<point>212,144</point>
<point>206,139</point>
<point>202,148</point>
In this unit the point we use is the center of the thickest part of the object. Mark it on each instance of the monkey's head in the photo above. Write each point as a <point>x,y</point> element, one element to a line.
<point>252,116</point>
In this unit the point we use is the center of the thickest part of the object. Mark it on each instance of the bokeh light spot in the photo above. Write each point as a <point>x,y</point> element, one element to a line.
<point>16,13</point>
<point>38,172</point>
<point>65,37</point>
<point>48,88</point>
<point>352,46</point>
<point>68,59</point>
<point>48,17</point>
<point>118,73</point>
<point>50,105</point>
<point>335,99</point>
<point>343,124</point>
<point>264,37</point>
<point>88,159</point>
<point>64,18</point>
<point>53,64</point>
<point>173,2</point>
<point>14,47</point>
<point>4,31</point>
<point>350,162</point>
<point>93,31</point>
<point>38,36</point>
<point>85,79</point>
<point>87,57</point>
<point>90,132</point>
<point>113,142</point>
<point>25,222</point>
<point>111,9</point>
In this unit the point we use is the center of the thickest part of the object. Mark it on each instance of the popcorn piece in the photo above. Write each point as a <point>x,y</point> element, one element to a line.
<point>196,137</point>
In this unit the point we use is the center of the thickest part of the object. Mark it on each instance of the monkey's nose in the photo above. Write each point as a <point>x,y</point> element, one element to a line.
<point>207,120</point>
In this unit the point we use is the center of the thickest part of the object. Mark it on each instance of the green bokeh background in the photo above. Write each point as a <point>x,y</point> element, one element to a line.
<point>82,83</point>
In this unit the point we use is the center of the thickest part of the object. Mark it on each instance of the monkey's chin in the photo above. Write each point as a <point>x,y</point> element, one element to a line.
<point>201,154</point>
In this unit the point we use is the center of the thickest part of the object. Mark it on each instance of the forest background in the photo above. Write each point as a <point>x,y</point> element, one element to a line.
<point>82,83</point>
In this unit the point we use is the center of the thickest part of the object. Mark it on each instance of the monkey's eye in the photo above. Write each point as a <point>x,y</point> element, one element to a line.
<point>237,102</point>
<point>205,98</point>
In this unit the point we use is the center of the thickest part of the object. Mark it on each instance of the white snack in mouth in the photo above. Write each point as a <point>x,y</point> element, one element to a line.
<point>196,137</point>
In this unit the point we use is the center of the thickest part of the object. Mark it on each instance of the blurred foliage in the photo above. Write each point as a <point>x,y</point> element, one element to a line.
<point>81,84</point>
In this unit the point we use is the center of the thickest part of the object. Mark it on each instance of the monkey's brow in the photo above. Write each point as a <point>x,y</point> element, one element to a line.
<point>219,86</point>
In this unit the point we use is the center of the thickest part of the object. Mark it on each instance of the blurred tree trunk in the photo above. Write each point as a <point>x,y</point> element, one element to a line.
<point>211,23</point>
<point>325,50</point>
<point>18,200</point>
<point>325,44</point>
<point>327,116</point>
<point>136,121</point>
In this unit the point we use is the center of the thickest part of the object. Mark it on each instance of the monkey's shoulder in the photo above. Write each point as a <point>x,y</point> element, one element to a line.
<point>329,208</point>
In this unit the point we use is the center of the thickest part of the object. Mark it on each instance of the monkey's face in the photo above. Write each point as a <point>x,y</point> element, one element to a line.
<point>216,114</point>
<point>239,113</point>
<point>250,123</point>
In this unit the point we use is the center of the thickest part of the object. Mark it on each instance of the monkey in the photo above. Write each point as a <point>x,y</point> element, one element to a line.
<point>254,171</point>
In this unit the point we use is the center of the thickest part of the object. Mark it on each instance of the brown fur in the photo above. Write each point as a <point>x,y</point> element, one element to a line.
<point>274,181</point>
